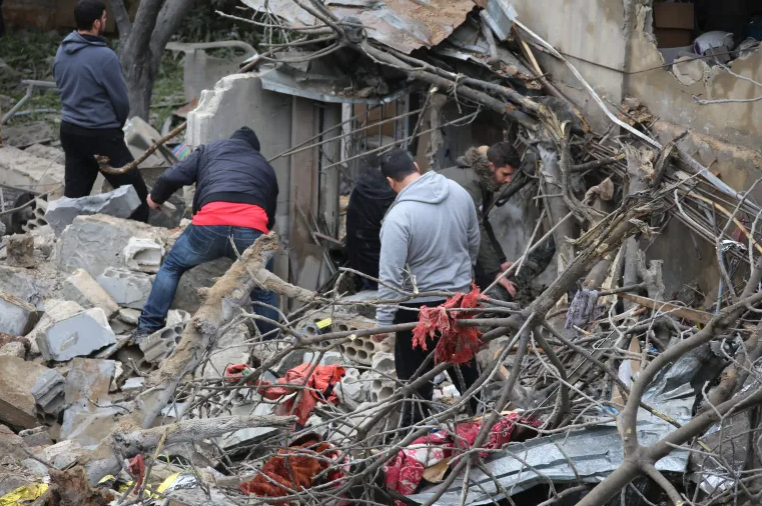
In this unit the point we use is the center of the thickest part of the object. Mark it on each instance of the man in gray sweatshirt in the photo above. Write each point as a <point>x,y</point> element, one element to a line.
<point>429,243</point>
<point>94,107</point>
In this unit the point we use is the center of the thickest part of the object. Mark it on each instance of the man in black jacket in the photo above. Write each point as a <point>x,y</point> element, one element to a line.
<point>368,204</point>
<point>236,195</point>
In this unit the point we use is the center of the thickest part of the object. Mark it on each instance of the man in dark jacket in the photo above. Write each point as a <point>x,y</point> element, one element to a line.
<point>367,206</point>
<point>481,172</point>
<point>94,107</point>
<point>236,196</point>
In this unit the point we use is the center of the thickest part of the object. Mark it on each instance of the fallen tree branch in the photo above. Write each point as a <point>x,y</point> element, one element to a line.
<point>103,161</point>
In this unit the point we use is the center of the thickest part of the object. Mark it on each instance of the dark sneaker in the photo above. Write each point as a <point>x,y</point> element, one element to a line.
<point>139,335</point>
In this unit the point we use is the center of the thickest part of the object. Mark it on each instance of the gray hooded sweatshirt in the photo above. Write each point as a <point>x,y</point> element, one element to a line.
<point>432,233</point>
<point>89,77</point>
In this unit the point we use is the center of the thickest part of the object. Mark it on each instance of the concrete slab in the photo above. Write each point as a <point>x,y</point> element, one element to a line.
<point>82,288</point>
<point>24,170</point>
<point>17,378</point>
<point>48,392</point>
<point>95,243</point>
<point>77,336</point>
<point>127,288</point>
<point>120,203</point>
<point>89,417</point>
<point>16,317</point>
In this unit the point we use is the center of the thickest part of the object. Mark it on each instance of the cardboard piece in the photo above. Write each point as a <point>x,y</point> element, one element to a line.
<point>673,37</point>
<point>674,15</point>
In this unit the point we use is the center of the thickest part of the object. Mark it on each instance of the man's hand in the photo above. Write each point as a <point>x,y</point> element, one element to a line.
<point>505,266</point>
<point>380,338</point>
<point>508,285</point>
<point>152,204</point>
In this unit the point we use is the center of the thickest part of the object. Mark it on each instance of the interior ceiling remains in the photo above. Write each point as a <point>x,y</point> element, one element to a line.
<point>404,25</point>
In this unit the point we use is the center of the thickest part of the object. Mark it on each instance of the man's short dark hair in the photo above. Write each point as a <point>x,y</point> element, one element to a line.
<point>86,12</point>
<point>502,154</point>
<point>397,164</point>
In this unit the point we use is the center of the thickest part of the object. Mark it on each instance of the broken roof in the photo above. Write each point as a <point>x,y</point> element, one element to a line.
<point>404,25</point>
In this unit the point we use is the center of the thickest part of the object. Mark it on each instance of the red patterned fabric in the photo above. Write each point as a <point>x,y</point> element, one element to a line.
<point>405,472</point>
<point>320,388</point>
<point>457,345</point>
<point>294,468</point>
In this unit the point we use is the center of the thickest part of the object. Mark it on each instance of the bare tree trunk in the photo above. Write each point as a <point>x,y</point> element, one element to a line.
<point>142,43</point>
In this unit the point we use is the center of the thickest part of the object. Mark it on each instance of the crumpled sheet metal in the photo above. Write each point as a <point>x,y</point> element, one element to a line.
<point>404,25</point>
<point>595,452</point>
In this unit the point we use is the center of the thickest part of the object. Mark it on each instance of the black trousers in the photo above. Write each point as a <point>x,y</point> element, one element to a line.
<point>81,145</point>
<point>407,361</point>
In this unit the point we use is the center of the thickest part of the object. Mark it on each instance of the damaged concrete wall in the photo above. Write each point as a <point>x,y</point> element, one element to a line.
<point>592,36</point>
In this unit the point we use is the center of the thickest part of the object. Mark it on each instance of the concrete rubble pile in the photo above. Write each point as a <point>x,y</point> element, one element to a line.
<point>601,388</point>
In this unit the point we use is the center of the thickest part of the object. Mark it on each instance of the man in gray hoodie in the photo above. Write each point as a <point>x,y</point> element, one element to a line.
<point>94,107</point>
<point>429,243</point>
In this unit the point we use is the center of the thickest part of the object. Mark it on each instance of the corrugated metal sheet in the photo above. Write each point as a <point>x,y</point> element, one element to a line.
<point>404,25</point>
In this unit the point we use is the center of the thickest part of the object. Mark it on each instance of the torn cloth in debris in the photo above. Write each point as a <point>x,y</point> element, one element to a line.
<point>319,387</point>
<point>294,468</point>
<point>405,472</point>
<point>457,345</point>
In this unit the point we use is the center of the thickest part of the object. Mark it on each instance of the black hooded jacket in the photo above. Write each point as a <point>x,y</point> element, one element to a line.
<point>368,204</point>
<point>231,170</point>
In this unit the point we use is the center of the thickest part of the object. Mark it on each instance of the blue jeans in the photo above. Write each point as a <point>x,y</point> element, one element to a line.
<point>196,246</point>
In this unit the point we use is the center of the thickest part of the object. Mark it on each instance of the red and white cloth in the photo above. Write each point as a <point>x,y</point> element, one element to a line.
<point>405,472</point>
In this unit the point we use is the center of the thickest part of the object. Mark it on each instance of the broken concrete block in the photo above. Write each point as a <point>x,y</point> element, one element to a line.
<point>82,288</point>
<point>24,284</point>
<point>17,379</point>
<point>133,384</point>
<point>14,349</point>
<point>230,348</point>
<point>87,427</point>
<point>86,392</point>
<point>76,336</point>
<point>36,437</point>
<point>127,288</point>
<point>35,467</point>
<point>23,170</point>
<point>177,317</point>
<point>143,255</point>
<point>20,250</point>
<point>54,310</point>
<point>48,392</point>
<point>160,344</point>
<point>88,381</point>
<point>16,317</point>
<point>201,276</point>
<point>130,316</point>
<point>120,203</point>
<point>63,454</point>
<point>96,242</point>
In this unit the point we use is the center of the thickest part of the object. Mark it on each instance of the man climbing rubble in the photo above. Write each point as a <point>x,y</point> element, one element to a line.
<point>236,196</point>
<point>94,107</point>
<point>429,242</point>
<point>481,172</point>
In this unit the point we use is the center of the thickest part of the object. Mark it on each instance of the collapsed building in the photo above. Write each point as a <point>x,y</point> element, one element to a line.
<point>628,375</point>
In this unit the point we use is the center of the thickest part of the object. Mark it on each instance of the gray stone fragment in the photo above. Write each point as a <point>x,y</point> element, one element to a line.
<point>160,344</point>
<point>62,454</point>
<point>129,315</point>
<point>133,384</point>
<point>82,288</point>
<point>77,336</point>
<point>96,242</point>
<point>201,276</point>
<point>35,467</point>
<point>120,203</point>
<point>17,378</point>
<point>48,392</point>
<point>89,417</point>
<point>177,317</point>
<point>13,349</point>
<point>127,288</point>
<point>16,317</point>
<point>37,437</point>
<point>230,348</point>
